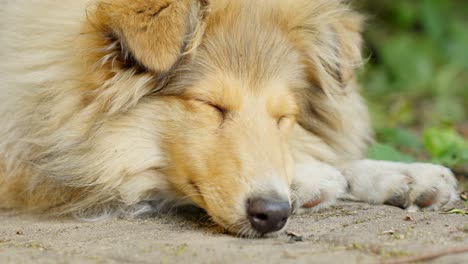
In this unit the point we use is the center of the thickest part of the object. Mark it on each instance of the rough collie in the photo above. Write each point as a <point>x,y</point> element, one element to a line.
<point>247,109</point>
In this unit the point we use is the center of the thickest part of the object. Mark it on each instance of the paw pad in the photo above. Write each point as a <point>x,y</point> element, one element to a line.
<point>311,203</point>
<point>427,198</point>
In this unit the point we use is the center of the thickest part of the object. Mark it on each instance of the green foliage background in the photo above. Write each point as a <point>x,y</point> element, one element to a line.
<point>416,79</point>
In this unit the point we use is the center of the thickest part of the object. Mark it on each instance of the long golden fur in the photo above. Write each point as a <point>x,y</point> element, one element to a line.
<point>108,104</point>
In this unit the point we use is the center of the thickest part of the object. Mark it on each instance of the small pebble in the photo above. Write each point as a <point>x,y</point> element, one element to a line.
<point>408,218</point>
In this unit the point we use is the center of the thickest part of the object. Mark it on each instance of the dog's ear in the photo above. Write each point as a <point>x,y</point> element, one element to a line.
<point>328,33</point>
<point>146,34</point>
<point>344,40</point>
<point>332,46</point>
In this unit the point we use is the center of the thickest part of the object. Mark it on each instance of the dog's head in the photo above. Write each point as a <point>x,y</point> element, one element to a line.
<point>239,77</point>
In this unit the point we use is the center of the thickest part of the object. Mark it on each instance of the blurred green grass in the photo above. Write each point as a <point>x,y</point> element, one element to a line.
<point>416,79</point>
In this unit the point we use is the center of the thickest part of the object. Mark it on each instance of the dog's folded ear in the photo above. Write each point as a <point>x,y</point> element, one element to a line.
<point>146,34</point>
<point>328,33</point>
<point>345,41</point>
<point>333,47</point>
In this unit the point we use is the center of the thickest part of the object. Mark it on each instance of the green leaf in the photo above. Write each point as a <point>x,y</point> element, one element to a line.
<point>380,151</point>
<point>445,146</point>
<point>399,137</point>
<point>456,211</point>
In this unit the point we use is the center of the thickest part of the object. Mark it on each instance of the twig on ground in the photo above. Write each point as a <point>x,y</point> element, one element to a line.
<point>428,256</point>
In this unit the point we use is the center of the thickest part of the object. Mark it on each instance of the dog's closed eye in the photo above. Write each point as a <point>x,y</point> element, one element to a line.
<point>221,110</point>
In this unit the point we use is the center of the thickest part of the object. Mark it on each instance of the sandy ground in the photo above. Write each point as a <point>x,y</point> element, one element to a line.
<point>347,233</point>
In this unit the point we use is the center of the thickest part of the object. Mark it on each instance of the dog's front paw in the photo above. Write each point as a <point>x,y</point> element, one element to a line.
<point>412,186</point>
<point>316,186</point>
<point>432,187</point>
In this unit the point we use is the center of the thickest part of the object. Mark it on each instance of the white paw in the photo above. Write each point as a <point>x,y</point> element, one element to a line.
<point>412,186</point>
<point>316,186</point>
<point>433,187</point>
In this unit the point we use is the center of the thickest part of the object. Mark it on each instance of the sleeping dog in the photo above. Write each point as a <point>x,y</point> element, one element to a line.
<point>247,109</point>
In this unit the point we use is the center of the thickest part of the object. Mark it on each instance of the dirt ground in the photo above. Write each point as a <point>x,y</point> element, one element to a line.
<point>347,233</point>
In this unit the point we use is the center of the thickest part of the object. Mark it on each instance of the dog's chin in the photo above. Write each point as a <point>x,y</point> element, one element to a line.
<point>247,231</point>
<point>243,229</point>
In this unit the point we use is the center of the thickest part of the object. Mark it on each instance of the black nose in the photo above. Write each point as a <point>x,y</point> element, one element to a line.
<point>268,216</point>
